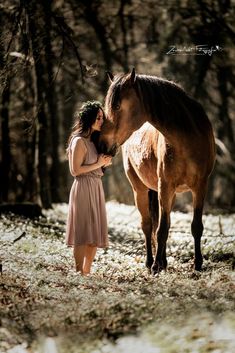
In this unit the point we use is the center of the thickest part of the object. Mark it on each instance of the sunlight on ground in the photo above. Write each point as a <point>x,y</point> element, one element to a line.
<point>46,307</point>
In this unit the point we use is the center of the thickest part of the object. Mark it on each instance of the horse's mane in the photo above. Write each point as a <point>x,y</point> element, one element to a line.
<point>168,103</point>
<point>163,100</point>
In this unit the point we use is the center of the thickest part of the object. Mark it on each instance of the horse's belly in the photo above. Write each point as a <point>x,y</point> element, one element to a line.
<point>182,188</point>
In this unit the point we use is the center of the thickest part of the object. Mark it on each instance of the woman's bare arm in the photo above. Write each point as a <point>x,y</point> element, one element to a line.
<point>78,153</point>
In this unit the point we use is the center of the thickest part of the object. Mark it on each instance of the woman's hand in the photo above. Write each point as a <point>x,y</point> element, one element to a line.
<point>104,160</point>
<point>108,161</point>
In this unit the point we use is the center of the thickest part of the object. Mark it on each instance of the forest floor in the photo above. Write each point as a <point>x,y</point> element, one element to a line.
<point>46,307</point>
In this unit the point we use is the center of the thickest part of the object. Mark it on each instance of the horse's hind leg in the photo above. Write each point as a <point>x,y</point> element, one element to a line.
<point>154,214</point>
<point>197,226</point>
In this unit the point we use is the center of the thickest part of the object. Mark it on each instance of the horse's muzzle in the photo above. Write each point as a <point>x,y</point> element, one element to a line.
<point>113,150</point>
<point>108,151</point>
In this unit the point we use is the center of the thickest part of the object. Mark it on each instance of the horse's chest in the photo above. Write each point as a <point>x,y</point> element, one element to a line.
<point>139,149</point>
<point>140,155</point>
<point>145,168</point>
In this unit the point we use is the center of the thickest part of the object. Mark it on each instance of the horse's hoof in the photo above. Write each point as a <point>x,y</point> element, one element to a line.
<point>198,265</point>
<point>155,269</point>
<point>198,268</point>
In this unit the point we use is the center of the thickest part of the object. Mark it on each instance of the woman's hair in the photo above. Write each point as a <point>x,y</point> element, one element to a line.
<point>85,117</point>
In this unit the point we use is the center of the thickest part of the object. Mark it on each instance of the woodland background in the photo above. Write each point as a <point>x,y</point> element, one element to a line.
<point>54,55</point>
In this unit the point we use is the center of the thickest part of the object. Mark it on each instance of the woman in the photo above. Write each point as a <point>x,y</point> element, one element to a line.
<point>86,223</point>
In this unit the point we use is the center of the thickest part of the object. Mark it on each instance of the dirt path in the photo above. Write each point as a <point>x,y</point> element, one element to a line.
<point>46,307</point>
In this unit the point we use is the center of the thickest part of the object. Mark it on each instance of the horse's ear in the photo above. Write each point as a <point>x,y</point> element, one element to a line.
<point>132,76</point>
<point>110,76</point>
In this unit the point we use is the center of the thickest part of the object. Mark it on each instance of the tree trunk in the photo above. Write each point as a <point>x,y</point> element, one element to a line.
<point>35,12</point>
<point>6,153</point>
<point>124,34</point>
<point>225,131</point>
<point>52,107</point>
<point>91,16</point>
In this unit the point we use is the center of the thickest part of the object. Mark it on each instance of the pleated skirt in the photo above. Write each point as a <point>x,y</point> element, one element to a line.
<point>86,221</point>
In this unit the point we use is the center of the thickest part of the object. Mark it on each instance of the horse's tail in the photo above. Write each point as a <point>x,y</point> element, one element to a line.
<point>153,211</point>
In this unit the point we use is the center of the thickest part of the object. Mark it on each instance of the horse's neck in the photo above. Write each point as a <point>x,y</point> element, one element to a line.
<point>155,116</point>
<point>163,128</point>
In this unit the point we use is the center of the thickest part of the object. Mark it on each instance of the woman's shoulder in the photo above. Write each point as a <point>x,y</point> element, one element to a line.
<point>78,141</point>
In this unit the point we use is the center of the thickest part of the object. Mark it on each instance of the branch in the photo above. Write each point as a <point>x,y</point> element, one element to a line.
<point>60,61</point>
<point>66,32</point>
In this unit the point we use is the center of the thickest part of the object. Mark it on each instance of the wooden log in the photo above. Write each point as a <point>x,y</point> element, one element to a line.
<point>26,209</point>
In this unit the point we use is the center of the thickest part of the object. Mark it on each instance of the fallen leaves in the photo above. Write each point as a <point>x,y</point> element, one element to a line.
<point>41,293</point>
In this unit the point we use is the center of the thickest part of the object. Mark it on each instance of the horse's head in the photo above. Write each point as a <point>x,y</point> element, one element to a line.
<point>123,111</point>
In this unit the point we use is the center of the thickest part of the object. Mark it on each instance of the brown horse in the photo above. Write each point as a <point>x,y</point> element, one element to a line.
<point>174,153</point>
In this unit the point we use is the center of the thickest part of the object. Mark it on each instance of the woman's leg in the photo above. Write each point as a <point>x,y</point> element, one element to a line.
<point>89,257</point>
<point>79,254</point>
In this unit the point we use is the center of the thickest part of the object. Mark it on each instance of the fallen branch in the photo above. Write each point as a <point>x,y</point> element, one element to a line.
<point>19,237</point>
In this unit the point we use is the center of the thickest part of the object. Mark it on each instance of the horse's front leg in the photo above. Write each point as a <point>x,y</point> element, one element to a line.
<point>197,225</point>
<point>142,203</point>
<point>166,196</point>
<point>141,195</point>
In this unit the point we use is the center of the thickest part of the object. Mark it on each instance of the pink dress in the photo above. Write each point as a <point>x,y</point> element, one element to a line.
<point>86,222</point>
